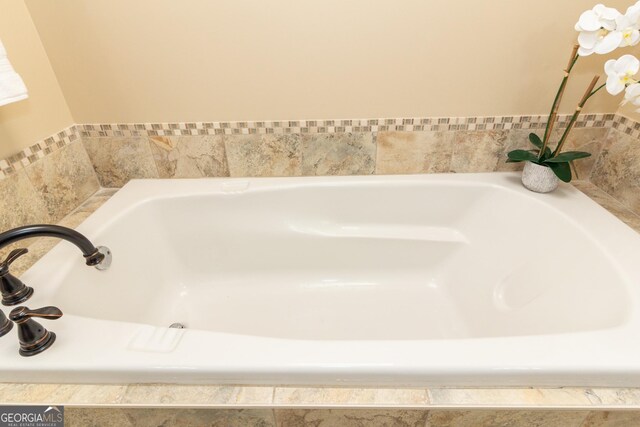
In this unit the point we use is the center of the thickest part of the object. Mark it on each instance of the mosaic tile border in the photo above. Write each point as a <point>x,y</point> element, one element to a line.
<point>626,126</point>
<point>38,151</point>
<point>338,126</point>
<point>65,137</point>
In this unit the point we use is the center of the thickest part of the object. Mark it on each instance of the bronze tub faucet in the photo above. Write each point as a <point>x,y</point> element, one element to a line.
<point>34,338</point>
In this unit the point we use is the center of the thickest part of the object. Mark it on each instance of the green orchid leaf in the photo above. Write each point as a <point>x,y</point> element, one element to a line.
<point>535,140</point>
<point>562,170</point>
<point>521,156</point>
<point>547,154</point>
<point>568,156</point>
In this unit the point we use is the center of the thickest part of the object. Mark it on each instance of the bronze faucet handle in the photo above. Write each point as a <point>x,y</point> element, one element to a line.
<point>5,324</point>
<point>13,255</point>
<point>12,289</point>
<point>21,314</point>
<point>34,338</point>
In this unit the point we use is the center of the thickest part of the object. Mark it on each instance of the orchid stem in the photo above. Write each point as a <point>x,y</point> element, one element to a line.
<point>556,102</point>
<point>588,94</point>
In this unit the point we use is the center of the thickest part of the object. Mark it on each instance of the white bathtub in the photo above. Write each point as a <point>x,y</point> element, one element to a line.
<point>464,280</point>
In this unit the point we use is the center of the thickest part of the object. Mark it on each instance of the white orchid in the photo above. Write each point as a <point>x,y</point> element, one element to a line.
<point>602,30</point>
<point>632,95</point>
<point>629,26</point>
<point>620,73</point>
<point>633,13</point>
<point>597,29</point>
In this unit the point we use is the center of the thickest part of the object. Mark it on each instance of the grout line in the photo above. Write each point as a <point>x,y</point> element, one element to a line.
<point>617,202</point>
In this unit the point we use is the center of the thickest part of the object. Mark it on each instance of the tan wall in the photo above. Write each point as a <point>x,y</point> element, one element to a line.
<point>629,110</point>
<point>197,60</point>
<point>45,112</point>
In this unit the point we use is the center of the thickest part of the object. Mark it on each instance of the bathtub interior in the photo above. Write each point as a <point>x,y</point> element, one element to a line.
<point>362,262</point>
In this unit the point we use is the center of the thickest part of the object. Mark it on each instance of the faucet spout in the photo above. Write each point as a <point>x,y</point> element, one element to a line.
<point>94,256</point>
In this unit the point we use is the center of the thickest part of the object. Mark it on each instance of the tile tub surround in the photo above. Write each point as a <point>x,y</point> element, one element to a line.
<point>38,151</point>
<point>306,406</point>
<point>119,159</point>
<point>62,169</point>
<point>344,418</point>
<point>617,169</point>
<point>434,124</point>
<point>229,396</point>
<point>347,147</point>
<point>48,189</point>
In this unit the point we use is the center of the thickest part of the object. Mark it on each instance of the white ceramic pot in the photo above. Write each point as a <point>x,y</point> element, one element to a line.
<point>540,179</point>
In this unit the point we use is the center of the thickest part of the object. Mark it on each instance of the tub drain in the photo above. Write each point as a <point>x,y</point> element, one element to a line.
<point>177,326</point>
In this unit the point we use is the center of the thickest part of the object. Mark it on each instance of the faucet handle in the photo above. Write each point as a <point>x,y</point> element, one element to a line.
<point>13,255</point>
<point>12,289</point>
<point>5,324</point>
<point>21,314</point>
<point>34,338</point>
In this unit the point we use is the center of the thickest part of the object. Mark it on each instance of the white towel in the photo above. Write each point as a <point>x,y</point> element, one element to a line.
<point>12,88</point>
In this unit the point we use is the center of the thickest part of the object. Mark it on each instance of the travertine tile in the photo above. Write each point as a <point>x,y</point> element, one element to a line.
<point>414,152</point>
<point>350,418</point>
<point>591,140</point>
<point>478,151</point>
<point>64,179</point>
<point>517,139</point>
<point>225,418</point>
<point>613,419</point>
<point>90,205</point>
<point>118,160</point>
<point>609,203</point>
<point>338,154</point>
<point>98,417</point>
<point>198,417</point>
<point>170,417</point>
<point>264,155</point>
<point>617,169</point>
<point>189,156</point>
<point>583,139</point>
<point>21,205</point>
<point>328,396</point>
<point>498,397</point>
<point>167,417</point>
<point>36,393</point>
<point>88,394</point>
<point>149,394</point>
<point>505,418</point>
<point>62,394</point>
<point>624,397</point>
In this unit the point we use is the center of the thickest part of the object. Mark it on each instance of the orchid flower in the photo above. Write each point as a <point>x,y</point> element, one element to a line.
<point>620,73</point>
<point>597,29</point>
<point>602,30</point>
<point>629,26</point>
<point>632,95</point>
